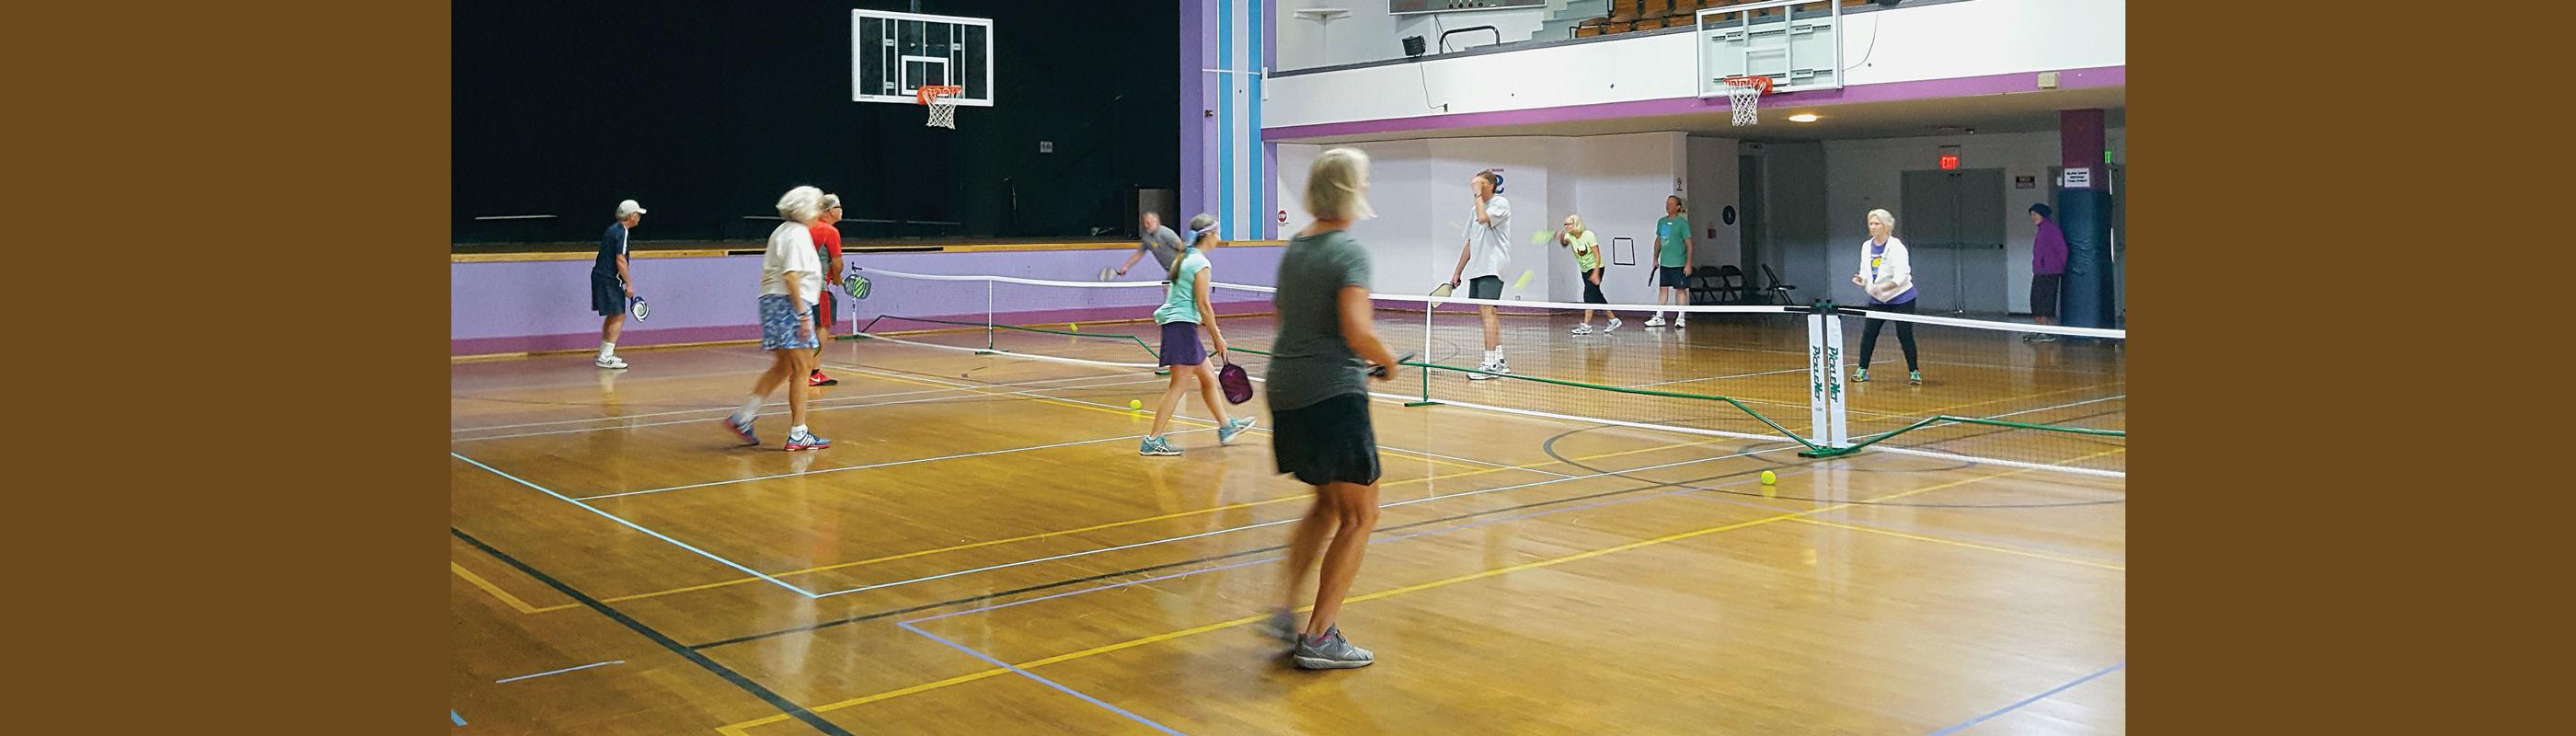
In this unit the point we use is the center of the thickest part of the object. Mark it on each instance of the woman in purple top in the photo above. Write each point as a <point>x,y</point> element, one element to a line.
<point>1888,275</point>
<point>2047,271</point>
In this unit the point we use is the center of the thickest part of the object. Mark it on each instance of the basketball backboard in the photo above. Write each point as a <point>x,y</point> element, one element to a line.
<point>1794,43</point>
<point>893,54</point>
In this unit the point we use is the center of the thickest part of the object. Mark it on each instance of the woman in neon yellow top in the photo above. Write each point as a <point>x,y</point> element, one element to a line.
<point>1587,257</point>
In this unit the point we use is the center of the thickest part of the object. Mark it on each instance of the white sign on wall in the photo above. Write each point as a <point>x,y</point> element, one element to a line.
<point>2076,179</point>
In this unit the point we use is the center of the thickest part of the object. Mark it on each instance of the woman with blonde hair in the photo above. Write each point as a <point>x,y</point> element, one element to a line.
<point>1887,273</point>
<point>791,281</point>
<point>1320,365</point>
<point>1187,310</point>
<point>1587,259</point>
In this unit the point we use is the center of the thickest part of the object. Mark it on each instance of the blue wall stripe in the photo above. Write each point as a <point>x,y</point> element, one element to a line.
<point>1252,152</point>
<point>1225,115</point>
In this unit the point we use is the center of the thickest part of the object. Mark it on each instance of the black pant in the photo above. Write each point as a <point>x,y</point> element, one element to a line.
<point>1592,291</point>
<point>1904,335</point>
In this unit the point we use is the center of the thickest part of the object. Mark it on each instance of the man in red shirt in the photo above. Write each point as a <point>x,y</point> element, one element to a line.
<point>827,239</point>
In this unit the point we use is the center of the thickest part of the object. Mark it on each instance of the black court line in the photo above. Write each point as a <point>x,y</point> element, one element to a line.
<point>820,625</point>
<point>775,700</point>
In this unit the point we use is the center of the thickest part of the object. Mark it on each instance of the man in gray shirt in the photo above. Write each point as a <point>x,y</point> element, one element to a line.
<point>1165,244</point>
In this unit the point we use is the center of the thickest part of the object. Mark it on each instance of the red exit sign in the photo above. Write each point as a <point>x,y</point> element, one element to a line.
<point>1949,158</point>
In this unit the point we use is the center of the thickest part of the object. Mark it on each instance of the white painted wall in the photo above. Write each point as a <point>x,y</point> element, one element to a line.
<point>1912,43</point>
<point>1617,183</point>
<point>1865,174</point>
<point>1369,33</point>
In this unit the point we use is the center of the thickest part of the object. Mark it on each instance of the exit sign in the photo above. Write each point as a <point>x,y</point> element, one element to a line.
<point>1949,158</point>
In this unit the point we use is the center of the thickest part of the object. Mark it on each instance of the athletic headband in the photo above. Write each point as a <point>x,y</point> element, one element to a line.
<point>1196,234</point>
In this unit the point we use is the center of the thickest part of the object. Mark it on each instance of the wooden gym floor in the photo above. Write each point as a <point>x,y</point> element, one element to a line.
<point>982,551</point>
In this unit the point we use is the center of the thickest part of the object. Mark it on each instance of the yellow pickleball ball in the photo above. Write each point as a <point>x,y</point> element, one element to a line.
<point>1135,404</point>
<point>1769,478</point>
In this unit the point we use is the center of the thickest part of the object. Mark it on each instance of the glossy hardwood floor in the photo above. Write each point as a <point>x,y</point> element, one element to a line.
<point>983,552</point>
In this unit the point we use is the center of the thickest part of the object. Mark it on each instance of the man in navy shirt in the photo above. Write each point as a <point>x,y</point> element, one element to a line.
<point>610,288</point>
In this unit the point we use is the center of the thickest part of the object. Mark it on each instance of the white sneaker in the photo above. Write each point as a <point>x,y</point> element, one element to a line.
<point>609,361</point>
<point>1485,366</point>
<point>1614,325</point>
<point>1501,366</point>
<point>1655,321</point>
<point>1681,321</point>
<point>1583,329</point>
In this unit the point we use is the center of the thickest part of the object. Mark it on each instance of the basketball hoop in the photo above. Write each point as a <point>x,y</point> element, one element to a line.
<point>1744,97</point>
<point>942,101</point>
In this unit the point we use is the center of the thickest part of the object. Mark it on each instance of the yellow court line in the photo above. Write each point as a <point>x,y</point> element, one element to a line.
<point>1098,527</point>
<point>1970,545</point>
<point>738,728</point>
<point>495,590</point>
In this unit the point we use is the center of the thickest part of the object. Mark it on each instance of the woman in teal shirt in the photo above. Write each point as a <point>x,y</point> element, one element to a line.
<point>1185,310</point>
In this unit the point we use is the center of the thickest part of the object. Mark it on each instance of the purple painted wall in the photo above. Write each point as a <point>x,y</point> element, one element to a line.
<point>545,305</point>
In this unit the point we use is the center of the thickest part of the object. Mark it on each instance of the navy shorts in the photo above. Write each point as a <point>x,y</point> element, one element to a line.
<point>1327,441</point>
<point>1672,277</point>
<point>1181,344</point>
<point>607,295</point>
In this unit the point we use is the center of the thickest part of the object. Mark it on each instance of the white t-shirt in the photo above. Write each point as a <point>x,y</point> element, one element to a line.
<point>1490,244</point>
<point>791,248</point>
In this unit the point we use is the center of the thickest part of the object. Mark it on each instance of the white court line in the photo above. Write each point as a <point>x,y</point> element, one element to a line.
<point>809,410</point>
<point>887,464</point>
<point>1801,369</point>
<point>1247,527</point>
<point>635,526</point>
<point>729,408</point>
<point>558,672</point>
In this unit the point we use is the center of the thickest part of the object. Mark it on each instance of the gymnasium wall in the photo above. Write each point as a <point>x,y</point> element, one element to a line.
<point>1865,174</point>
<point>1908,52</point>
<point>1617,183</point>
<point>707,111</point>
<point>522,306</point>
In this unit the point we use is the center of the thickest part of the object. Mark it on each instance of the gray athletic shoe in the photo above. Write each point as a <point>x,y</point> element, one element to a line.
<point>1282,626</point>
<point>1334,652</point>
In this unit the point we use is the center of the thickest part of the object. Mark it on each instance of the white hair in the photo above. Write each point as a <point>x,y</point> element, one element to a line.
<point>1337,185</point>
<point>1883,216</point>
<point>802,204</point>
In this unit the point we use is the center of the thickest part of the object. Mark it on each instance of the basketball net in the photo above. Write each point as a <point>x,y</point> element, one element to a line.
<point>942,101</point>
<point>1744,97</point>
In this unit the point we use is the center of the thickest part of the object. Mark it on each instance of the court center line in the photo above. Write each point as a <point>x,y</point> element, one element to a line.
<point>557,672</point>
<point>634,526</point>
<point>2043,695</point>
<point>488,587</point>
<point>843,399</point>
<point>1550,562</point>
<point>1042,680</point>
<point>1111,525</point>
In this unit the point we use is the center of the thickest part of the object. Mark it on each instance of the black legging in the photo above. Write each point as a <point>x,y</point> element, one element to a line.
<point>1904,335</point>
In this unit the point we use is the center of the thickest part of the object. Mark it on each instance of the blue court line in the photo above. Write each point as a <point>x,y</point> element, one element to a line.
<point>460,720</point>
<point>635,526</point>
<point>1034,676</point>
<point>2029,700</point>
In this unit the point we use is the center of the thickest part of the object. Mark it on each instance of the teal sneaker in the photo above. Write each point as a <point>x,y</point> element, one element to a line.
<point>1156,446</point>
<point>1225,435</point>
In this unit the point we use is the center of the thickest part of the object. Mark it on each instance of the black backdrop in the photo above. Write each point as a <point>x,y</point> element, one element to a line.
<point>707,111</point>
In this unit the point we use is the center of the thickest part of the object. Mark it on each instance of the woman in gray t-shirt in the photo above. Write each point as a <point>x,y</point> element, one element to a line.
<point>1319,414</point>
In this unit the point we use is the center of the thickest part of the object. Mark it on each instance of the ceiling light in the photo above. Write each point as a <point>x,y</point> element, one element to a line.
<point>1804,117</point>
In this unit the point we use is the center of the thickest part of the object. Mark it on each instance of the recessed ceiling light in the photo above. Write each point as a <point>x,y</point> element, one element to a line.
<point>1804,117</point>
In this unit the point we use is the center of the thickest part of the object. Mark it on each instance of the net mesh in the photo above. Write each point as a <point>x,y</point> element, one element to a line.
<point>943,107</point>
<point>1988,395</point>
<point>1744,100</point>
